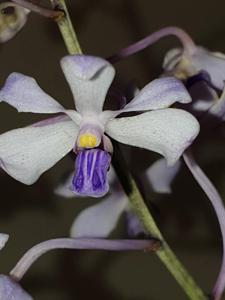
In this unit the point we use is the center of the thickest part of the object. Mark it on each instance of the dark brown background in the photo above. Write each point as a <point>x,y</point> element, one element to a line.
<point>33,214</point>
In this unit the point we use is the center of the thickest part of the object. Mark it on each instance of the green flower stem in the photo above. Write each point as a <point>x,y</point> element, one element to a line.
<point>66,28</point>
<point>165,254</point>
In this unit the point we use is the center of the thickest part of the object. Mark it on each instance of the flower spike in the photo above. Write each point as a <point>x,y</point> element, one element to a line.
<point>89,244</point>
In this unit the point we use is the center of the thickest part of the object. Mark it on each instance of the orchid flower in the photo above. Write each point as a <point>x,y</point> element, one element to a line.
<point>26,153</point>
<point>209,107</point>
<point>100,219</point>
<point>185,64</point>
<point>12,19</point>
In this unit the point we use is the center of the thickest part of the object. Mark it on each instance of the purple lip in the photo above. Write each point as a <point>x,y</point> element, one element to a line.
<point>90,178</point>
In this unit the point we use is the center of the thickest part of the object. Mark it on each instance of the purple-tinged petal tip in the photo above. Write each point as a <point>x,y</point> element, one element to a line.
<point>11,290</point>
<point>84,66</point>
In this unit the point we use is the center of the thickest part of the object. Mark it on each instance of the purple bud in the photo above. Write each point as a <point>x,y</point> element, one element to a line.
<point>90,178</point>
<point>11,290</point>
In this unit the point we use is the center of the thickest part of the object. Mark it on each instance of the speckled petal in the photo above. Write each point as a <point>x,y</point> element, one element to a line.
<point>158,94</point>
<point>28,152</point>
<point>89,78</point>
<point>23,93</point>
<point>166,131</point>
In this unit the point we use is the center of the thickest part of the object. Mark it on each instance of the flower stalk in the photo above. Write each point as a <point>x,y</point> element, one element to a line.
<point>165,254</point>
<point>186,41</point>
<point>218,206</point>
<point>43,11</point>
<point>66,28</point>
<point>37,251</point>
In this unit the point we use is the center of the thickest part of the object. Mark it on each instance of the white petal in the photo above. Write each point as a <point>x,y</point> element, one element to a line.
<point>158,94</point>
<point>161,176</point>
<point>89,78</point>
<point>3,240</point>
<point>218,108</point>
<point>26,153</point>
<point>23,93</point>
<point>100,219</point>
<point>64,189</point>
<point>167,131</point>
<point>11,290</point>
<point>213,63</point>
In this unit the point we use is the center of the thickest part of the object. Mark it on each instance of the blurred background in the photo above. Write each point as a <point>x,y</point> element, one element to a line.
<point>31,214</point>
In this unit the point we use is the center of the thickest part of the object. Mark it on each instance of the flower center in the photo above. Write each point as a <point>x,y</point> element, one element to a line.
<point>87,141</point>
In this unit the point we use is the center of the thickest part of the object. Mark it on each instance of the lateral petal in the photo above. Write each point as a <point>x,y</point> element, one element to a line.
<point>26,153</point>
<point>23,93</point>
<point>168,131</point>
<point>158,94</point>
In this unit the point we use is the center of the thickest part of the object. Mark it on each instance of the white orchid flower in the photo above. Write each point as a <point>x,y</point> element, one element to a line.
<point>26,153</point>
<point>184,64</point>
